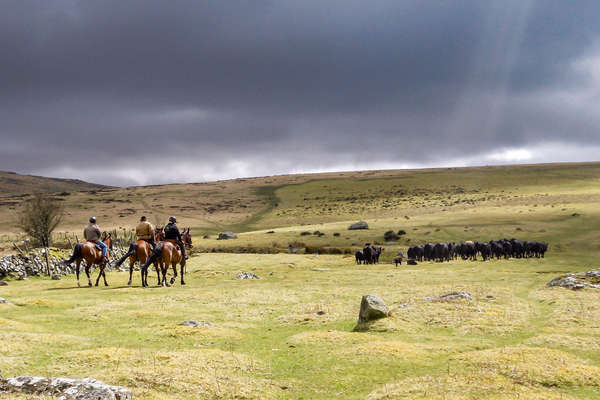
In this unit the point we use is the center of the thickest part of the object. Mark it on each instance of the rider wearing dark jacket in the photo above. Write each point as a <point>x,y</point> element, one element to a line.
<point>172,233</point>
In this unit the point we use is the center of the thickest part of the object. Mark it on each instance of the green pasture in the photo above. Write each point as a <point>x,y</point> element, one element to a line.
<point>291,334</point>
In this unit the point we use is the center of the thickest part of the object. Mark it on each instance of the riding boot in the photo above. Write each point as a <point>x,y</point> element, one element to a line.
<point>182,246</point>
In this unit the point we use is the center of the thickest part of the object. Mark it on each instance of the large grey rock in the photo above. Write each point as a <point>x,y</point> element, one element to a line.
<point>578,281</point>
<point>359,225</point>
<point>3,301</point>
<point>56,277</point>
<point>451,296</point>
<point>3,283</point>
<point>227,235</point>
<point>66,388</point>
<point>371,308</point>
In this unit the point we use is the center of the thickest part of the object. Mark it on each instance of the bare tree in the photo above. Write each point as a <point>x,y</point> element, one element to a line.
<point>39,217</point>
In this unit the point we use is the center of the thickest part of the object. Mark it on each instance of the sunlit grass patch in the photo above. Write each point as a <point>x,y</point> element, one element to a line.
<point>190,374</point>
<point>534,365</point>
<point>332,337</point>
<point>579,342</point>
<point>461,386</point>
<point>213,331</point>
<point>393,348</point>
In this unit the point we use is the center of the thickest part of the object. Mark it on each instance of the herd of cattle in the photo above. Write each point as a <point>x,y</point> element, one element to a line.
<point>368,255</point>
<point>503,248</point>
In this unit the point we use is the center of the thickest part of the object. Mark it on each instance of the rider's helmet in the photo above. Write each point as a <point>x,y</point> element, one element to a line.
<point>172,219</point>
<point>143,218</point>
<point>93,220</point>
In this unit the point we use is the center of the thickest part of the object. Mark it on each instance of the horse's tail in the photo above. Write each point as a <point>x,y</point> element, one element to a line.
<point>132,250</point>
<point>76,254</point>
<point>155,254</point>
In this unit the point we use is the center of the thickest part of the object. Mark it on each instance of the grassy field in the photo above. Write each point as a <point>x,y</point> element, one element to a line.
<point>290,335</point>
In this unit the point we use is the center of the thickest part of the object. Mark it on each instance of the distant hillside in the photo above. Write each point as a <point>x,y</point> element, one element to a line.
<point>16,184</point>
<point>252,204</point>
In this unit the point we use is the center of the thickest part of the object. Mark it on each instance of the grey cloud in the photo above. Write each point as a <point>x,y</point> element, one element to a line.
<point>95,89</point>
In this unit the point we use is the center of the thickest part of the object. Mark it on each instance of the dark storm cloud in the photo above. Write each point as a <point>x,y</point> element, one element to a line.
<point>111,90</point>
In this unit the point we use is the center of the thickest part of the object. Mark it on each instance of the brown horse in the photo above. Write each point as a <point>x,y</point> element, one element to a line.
<point>93,256</point>
<point>186,237</point>
<point>159,234</point>
<point>138,251</point>
<point>167,253</point>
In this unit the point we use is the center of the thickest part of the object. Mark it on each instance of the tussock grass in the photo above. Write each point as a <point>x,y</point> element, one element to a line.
<point>535,366</point>
<point>483,385</point>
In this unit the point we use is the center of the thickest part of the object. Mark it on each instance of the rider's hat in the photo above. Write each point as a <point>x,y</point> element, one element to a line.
<point>143,218</point>
<point>172,219</point>
<point>92,219</point>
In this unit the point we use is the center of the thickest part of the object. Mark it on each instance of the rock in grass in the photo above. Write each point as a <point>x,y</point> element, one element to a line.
<point>3,283</point>
<point>3,301</point>
<point>196,324</point>
<point>578,280</point>
<point>227,235</point>
<point>359,225</point>
<point>451,296</point>
<point>411,261</point>
<point>56,277</point>
<point>247,275</point>
<point>371,308</point>
<point>65,388</point>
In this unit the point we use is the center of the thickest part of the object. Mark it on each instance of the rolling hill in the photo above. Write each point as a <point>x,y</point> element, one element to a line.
<point>12,183</point>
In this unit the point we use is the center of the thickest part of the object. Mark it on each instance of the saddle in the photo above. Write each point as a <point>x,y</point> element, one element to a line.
<point>98,247</point>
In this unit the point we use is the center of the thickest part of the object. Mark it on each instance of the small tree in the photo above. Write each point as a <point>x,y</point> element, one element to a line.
<point>39,217</point>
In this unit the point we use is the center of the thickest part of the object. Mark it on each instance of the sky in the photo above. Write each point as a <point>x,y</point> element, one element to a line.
<point>148,92</point>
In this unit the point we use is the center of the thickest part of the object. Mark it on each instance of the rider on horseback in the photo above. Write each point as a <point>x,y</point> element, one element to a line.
<point>145,231</point>
<point>172,233</point>
<point>92,233</point>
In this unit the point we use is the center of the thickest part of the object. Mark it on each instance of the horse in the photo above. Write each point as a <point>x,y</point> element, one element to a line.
<point>138,251</point>
<point>166,253</point>
<point>159,234</point>
<point>186,238</point>
<point>87,251</point>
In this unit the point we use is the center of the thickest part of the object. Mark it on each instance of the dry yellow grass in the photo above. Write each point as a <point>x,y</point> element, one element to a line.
<point>460,386</point>
<point>534,366</point>
<point>205,374</point>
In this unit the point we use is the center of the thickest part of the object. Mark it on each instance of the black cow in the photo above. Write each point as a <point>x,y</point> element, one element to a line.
<point>428,251</point>
<point>441,252</point>
<point>360,257</point>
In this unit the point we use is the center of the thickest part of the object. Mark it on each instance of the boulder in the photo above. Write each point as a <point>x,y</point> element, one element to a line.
<point>578,281</point>
<point>371,308</point>
<point>227,235</point>
<point>3,283</point>
<point>56,277</point>
<point>359,225</point>
<point>3,301</point>
<point>411,261</point>
<point>247,275</point>
<point>65,388</point>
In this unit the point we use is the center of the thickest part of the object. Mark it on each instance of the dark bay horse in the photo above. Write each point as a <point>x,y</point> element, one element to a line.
<point>167,253</point>
<point>93,256</point>
<point>141,251</point>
